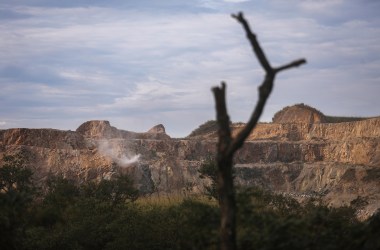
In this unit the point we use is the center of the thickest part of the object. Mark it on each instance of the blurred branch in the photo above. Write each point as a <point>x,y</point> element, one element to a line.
<point>227,146</point>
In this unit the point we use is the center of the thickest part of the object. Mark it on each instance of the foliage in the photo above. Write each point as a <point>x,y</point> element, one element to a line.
<point>339,119</point>
<point>16,194</point>
<point>268,221</point>
<point>114,191</point>
<point>104,216</point>
<point>209,170</point>
<point>189,224</point>
<point>14,176</point>
<point>207,127</point>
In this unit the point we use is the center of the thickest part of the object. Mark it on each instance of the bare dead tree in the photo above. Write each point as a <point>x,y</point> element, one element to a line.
<point>227,146</point>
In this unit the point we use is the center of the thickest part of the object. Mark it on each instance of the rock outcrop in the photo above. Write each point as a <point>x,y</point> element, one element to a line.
<point>307,157</point>
<point>104,130</point>
<point>158,129</point>
<point>299,113</point>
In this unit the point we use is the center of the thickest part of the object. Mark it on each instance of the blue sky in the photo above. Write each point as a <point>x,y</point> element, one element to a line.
<point>141,63</point>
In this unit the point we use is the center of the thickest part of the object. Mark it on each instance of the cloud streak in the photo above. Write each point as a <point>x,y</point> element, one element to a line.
<point>66,63</point>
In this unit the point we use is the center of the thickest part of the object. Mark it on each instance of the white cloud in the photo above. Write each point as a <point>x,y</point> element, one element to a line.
<point>154,96</point>
<point>319,5</point>
<point>235,1</point>
<point>95,63</point>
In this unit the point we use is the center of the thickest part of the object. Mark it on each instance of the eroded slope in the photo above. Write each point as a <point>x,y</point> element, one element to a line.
<point>337,161</point>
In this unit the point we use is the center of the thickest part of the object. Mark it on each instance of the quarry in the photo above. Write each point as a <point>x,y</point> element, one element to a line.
<point>301,153</point>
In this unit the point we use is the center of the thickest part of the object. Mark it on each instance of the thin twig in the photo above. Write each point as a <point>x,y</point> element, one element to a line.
<point>228,146</point>
<point>290,65</point>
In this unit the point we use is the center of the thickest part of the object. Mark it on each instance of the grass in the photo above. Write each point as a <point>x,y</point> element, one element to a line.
<point>167,200</point>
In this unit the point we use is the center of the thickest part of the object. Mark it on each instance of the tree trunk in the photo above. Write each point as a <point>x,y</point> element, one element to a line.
<point>227,146</point>
<point>227,204</point>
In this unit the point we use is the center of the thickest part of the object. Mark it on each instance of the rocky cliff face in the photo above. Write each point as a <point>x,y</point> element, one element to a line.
<point>336,161</point>
<point>299,113</point>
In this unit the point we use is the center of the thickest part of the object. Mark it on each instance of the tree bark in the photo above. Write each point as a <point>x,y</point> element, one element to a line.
<point>227,146</point>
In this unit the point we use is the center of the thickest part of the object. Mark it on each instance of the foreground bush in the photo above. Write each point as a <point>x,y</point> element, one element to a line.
<point>265,221</point>
<point>105,216</point>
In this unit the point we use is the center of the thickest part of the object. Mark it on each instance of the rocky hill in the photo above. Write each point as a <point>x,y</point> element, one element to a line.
<point>299,153</point>
<point>299,113</point>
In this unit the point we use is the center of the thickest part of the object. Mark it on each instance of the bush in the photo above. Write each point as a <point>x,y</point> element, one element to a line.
<point>208,170</point>
<point>270,221</point>
<point>207,127</point>
<point>16,194</point>
<point>104,216</point>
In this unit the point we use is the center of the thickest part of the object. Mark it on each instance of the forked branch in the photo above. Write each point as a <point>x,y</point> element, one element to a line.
<point>266,87</point>
<point>227,146</point>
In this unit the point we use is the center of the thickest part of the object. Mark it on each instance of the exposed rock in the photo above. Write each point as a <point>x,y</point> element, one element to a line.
<point>338,161</point>
<point>299,113</point>
<point>103,130</point>
<point>158,129</point>
<point>45,138</point>
<point>98,129</point>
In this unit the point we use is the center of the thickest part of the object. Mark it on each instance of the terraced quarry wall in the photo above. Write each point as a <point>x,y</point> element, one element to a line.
<point>336,161</point>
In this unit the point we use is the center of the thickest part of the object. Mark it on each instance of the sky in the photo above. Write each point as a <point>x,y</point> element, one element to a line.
<point>142,63</point>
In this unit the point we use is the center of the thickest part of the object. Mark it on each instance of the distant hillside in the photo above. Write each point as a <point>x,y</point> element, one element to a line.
<point>298,113</point>
<point>300,155</point>
<point>302,113</point>
<point>338,119</point>
<point>205,128</point>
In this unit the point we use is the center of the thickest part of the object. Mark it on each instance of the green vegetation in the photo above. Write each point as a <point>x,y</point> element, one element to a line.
<point>338,119</point>
<point>268,221</point>
<point>207,127</point>
<point>108,215</point>
<point>16,195</point>
<point>209,170</point>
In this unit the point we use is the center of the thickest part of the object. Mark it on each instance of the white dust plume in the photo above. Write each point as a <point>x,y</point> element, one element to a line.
<point>123,159</point>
